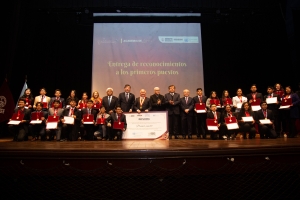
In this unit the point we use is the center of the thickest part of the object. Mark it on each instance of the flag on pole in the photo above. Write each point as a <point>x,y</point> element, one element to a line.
<point>6,102</point>
<point>22,92</point>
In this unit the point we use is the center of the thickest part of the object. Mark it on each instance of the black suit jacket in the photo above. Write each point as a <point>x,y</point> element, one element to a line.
<point>260,115</point>
<point>113,118</point>
<point>258,96</point>
<point>203,100</point>
<point>189,105</point>
<point>145,106</point>
<point>43,114</point>
<point>62,101</point>
<point>93,112</point>
<point>153,102</point>
<point>274,107</point>
<point>27,116</point>
<point>210,115</point>
<point>173,109</point>
<point>114,102</point>
<point>126,105</point>
<point>77,113</point>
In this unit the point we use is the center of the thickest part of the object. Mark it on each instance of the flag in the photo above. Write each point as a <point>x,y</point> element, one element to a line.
<point>22,92</point>
<point>6,102</point>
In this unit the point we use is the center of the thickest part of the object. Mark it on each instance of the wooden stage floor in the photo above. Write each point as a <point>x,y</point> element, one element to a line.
<point>150,148</point>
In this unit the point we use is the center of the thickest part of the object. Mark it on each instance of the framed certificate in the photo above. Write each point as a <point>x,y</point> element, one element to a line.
<point>69,120</point>
<point>271,100</point>
<point>247,119</point>
<point>231,123</point>
<point>265,121</point>
<point>53,119</point>
<point>51,125</point>
<point>212,124</point>
<point>88,119</point>
<point>118,125</point>
<point>200,107</point>
<point>286,103</point>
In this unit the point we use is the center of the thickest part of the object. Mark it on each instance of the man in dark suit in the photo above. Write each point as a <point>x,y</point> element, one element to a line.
<point>157,101</point>
<point>265,130</point>
<point>172,101</point>
<point>39,129</point>
<point>126,99</point>
<point>213,114</point>
<point>187,113</point>
<point>254,95</point>
<point>70,131</point>
<point>110,102</point>
<point>87,130</point>
<point>57,95</point>
<point>118,116</point>
<point>142,103</point>
<point>57,112</point>
<point>20,131</point>
<point>200,117</point>
<point>274,107</point>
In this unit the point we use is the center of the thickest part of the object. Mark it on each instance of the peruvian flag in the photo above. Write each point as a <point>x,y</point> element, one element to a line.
<point>7,104</point>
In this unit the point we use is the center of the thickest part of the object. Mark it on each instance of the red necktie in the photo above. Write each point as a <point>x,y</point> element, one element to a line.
<point>215,115</point>
<point>55,112</point>
<point>200,99</point>
<point>265,113</point>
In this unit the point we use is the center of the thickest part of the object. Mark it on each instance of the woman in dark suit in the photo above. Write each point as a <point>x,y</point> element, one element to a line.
<point>247,127</point>
<point>291,115</point>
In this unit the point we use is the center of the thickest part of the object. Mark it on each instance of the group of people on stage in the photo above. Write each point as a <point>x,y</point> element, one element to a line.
<point>104,118</point>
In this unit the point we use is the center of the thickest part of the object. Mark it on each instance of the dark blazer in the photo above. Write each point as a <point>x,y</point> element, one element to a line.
<point>113,118</point>
<point>224,115</point>
<point>30,99</point>
<point>114,102</point>
<point>260,115</point>
<point>210,115</point>
<point>93,112</point>
<point>77,113</point>
<point>173,109</point>
<point>27,116</point>
<point>240,115</point>
<point>126,105</point>
<point>62,101</point>
<point>43,114</point>
<point>153,102</point>
<point>203,100</point>
<point>189,105</point>
<point>274,107</point>
<point>258,96</point>
<point>145,106</point>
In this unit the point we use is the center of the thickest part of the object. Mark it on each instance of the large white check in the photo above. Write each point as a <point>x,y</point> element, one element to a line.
<point>149,125</point>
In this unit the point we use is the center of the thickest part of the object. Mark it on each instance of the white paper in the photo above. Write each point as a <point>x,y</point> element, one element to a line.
<point>67,106</point>
<point>247,119</point>
<point>271,100</point>
<point>88,122</point>
<point>201,111</point>
<point>256,108</point>
<point>265,121</point>
<point>51,125</point>
<point>36,122</point>
<point>212,128</point>
<point>238,105</point>
<point>284,107</point>
<point>69,120</point>
<point>14,122</point>
<point>232,126</point>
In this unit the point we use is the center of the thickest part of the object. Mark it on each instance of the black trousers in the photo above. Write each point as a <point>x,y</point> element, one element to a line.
<point>173,125</point>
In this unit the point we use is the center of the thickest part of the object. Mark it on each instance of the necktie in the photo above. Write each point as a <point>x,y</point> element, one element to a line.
<point>126,96</point>
<point>172,94</point>
<point>215,115</point>
<point>200,99</point>
<point>72,112</point>
<point>55,112</point>
<point>186,99</point>
<point>89,111</point>
<point>42,100</point>
<point>265,114</point>
<point>109,100</point>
